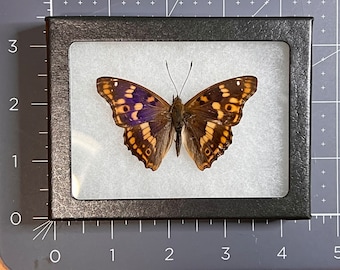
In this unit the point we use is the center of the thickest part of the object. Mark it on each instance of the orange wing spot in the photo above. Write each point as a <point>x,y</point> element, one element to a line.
<point>226,133</point>
<point>120,101</point>
<point>107,91</point>
<point>217,150</point>
<point>134,115</point>
<point>118,120</point>
<point>211,124</point>
<point>110,96</point>
<point>202,141</point>
<point>132,140</point>
<point>234,100</point>
<point>232,108</point>
<point>204,98</point>
<point>145,158</point>
<point>129,134</point>
<point>207,137</point>
<point>220,145</point>
<point>132,87</point>
<point>216,105</point>
<point>139,151</point>
<point>148,152</point>
<point>153,142</point>
<point>144,125</point>
<point>138,106</point>
<point>146,131</point>
<point>122,109</point>
<point>223,139</point>
<point>227,94</point>
<point>220,114</point>
<point>134,146</point>
<point>221,86</point>
<point>128,95</point>
<point>130,91</point>
<point>150,99</point>
<point>209,130</point>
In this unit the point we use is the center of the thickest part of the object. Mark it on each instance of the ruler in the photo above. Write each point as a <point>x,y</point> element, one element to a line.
<point>28,240</point>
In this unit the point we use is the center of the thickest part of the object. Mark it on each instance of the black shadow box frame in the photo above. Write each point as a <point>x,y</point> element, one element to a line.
<point>63,31</point>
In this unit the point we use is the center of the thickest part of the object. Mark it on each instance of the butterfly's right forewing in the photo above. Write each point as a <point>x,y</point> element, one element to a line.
<point>144,115</point>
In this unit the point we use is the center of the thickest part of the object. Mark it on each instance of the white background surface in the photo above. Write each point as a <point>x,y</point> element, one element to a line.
<point>256,163</point>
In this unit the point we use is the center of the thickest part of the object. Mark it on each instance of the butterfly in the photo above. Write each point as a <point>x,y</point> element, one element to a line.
<point>151,123</point>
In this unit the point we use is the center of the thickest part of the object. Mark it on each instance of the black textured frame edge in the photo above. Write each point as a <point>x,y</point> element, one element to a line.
<point>296,32</point>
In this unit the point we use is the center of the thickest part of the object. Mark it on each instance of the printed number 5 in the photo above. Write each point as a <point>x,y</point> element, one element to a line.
<point>13,47</point>
<point>337,252</point>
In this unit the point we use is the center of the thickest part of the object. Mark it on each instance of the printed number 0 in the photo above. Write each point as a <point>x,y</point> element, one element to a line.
<point>171,252</point>
<point>13,47</point>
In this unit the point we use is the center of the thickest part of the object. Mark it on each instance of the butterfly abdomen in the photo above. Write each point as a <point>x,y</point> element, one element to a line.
<point>177,111</point>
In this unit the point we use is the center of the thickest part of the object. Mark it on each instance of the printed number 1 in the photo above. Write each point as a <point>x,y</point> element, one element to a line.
<point>13,47</point>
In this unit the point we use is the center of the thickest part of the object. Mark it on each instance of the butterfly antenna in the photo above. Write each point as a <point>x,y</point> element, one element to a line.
<point>167,68</point>
<point>186,79</point>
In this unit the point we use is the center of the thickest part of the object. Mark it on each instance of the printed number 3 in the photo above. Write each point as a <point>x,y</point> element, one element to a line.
<point>13,47</point>
<point>226,254</point>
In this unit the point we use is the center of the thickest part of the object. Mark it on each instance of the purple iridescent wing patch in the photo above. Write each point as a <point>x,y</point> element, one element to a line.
<point>144,115</point>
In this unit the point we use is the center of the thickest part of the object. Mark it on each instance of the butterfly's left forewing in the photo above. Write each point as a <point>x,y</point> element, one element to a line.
<point>144,115</point>
<point>209,116</point>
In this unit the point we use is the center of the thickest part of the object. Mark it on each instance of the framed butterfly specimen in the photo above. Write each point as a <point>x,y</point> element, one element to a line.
<point>267,171</point>
<point>151,124</point>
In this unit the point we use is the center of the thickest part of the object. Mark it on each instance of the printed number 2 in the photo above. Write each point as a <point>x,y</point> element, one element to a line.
<point>13,47</point>
<point>171,252</point>
<point>15,101</point>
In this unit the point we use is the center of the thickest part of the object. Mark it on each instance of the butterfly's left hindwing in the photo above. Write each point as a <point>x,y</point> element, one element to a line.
<point>144,115</point>
<point>210,115</point>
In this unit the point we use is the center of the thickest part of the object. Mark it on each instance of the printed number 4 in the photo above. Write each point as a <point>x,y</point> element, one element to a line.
<point>282,253</point>
<point>13,47</point>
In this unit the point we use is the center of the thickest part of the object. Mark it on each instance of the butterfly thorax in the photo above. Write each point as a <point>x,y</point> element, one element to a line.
<point>177,111</point>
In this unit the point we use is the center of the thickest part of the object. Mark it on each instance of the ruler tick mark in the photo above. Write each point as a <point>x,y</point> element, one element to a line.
<point>112,229</point>
<point>39,103</point>
<point>38,46</point>
<point>224,228</point>
<point>39,160</point>
<point>169,229</point>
